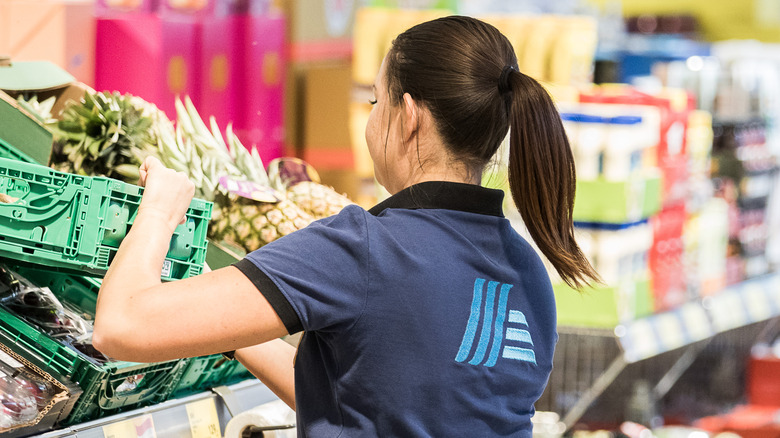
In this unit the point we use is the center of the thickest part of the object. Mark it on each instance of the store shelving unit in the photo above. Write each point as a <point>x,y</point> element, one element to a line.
<point>589,360</point>
<point>178,417</point>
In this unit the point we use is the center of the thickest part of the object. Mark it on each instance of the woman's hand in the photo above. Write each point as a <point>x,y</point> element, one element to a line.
<point>167,193</point>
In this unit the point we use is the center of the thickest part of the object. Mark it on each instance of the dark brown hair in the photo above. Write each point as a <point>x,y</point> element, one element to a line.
<point>464,71</point>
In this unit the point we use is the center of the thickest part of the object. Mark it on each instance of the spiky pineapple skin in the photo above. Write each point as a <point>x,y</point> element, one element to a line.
<point>251,224</point>
<point>318,200</point>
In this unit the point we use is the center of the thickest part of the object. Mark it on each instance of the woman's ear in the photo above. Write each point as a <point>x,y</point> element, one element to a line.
<point>411,114</point>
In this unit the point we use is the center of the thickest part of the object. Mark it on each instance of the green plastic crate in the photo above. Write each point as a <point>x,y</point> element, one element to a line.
<point>74,222</point>
<point>102,384</point>
<point>238,373</point>
<point>617,202</point>
<point>8,151</point>
<point>205,372</point>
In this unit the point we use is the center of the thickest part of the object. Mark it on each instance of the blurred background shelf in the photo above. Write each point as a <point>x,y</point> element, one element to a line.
<point>692,360</point>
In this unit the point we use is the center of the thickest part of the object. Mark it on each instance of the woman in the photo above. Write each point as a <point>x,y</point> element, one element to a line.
<point>427,315</point>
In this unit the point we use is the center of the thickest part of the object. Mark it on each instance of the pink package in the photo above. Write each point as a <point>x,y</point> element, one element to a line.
<point>221,50</point>
<point>260,103</point>
<point>128,52</point>
<point>153,58</point>
<point>181,54</point>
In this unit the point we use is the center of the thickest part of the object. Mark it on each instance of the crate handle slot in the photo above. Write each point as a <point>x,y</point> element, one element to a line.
<point>110,399</point>
<point>17,211</point>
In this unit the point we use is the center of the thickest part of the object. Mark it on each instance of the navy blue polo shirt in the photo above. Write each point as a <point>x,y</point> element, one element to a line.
<point>427,315</point>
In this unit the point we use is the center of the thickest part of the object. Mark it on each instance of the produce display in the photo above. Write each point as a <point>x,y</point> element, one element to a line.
<point>300,182</point>
<point>41,308</point>
<point>109,134</point>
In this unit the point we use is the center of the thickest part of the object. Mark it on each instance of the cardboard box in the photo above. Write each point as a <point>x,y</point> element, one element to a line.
<point>23,131</point>
<point>319,29</point>
<point>59,31</point>
<point>44,80</point>
<point>61,402</point>
<point>326,115</point>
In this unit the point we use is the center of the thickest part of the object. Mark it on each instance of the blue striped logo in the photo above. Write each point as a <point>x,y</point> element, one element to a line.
<point>489,316</point>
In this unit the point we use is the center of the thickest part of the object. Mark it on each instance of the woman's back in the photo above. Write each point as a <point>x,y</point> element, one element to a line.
<point>443,323</point>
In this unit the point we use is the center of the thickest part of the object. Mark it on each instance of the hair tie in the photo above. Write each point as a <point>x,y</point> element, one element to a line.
<point>503,80</point>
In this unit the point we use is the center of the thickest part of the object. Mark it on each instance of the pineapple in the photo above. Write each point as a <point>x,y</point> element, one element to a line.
<point>302,185</point>
<point>105,134</point>
<point>250,224</point>
<point>240,219</point>
<point>39,110</point>
<point>318,200</point>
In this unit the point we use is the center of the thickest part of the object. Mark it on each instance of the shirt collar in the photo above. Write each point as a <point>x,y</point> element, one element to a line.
<point>445,195</point>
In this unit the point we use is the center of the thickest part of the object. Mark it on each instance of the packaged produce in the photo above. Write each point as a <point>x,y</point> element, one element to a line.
<point>31,400</point>
<point>109,386</point>
<point>18,401</point>
<point>40,307</point>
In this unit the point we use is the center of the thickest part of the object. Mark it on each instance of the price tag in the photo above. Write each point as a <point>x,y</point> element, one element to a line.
<point>727,311</point>
<point>204,421</point>
<point>757,302</point>
<point>640,341</point>
<point>696,322</point>
<point>139,427</point>
<point>670,329</point>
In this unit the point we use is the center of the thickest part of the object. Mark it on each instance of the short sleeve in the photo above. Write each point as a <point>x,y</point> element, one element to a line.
<point>319,272</point>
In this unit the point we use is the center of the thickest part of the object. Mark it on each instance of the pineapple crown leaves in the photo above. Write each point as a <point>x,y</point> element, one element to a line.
<point>191,147</point>
<point>201,151</point>
<point>249,163</point>
<point>105,134</point>
<point>39,110</point>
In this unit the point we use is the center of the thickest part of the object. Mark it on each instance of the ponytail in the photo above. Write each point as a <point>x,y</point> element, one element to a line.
<point>451,65</point>
<point>542,178</point>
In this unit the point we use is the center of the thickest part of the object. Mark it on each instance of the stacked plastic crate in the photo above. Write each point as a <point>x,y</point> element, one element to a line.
<point>58,235</point>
